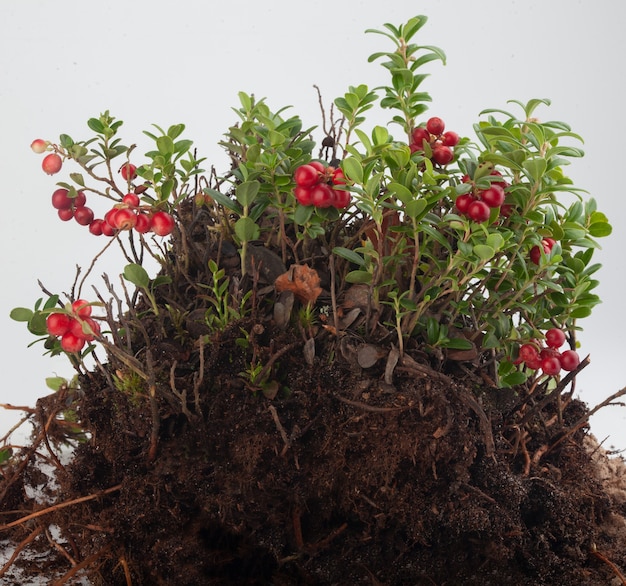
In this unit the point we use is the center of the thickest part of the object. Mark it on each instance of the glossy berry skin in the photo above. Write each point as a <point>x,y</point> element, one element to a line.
<point>124,219</point>
<point>435,126</point>
<point>555,338</point>
<point>493,196</point>
<point>551,365</point>
<point>442,154</point>
<point>51,164</point>
<point>60,200</point>
<point>418,136</point>
<point>83,215</point>
<point>342,199</point>
<point>306,176</point>
<point>81,308</point>
<point>65,215</point>
<point>463,202</point>
<point>128,171</point>
<point>303,195</point>
<point>131,199</point>
<point>72,343</point>
<point>162,223</point>
<point>528,352</point>
<point>322,195</point>
<point>569,360</point>
<point>318,166</point>
<point>95,227</point>
<point>58,323</point>
<point>142,224</point>
<point>450,138</point>
<point>478,211</point>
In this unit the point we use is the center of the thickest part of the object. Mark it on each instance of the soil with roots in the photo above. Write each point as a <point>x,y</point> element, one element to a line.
<point>352,463</point>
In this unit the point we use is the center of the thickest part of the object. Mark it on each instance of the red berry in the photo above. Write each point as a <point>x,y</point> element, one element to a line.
<point>72,343</point>
<point>83,215</point>
<point>551,365</point>
<point>60,200</point>
<point>162,223</point>
<point>342,198</point>
<point>39,145</point>
<point>528,352</point>
<point>124,219</point>
<point>58,323</point>
<point>478,211</point>
<point>128,171</point>
<point>435,126</point>
<point>96,227</point>
<point>142,224</point>
<point>80,200</point>
<point>418,136</point>
<point>81,308</point>
<point>555,338</point>
<point>131,199</point>
<point>107,229</point>
<point>306,176</point>
<point>303,195</point>
<point>493,196</point>
<point>535,251</point>
<point>569,360</point>
<point>318,166</point>
<point>450,138</point>
<point>322,195</point>
<point>338,178</point>
<point>463,202</point>
<point>109,217</point>
<point>442,154</point>
<point>66,215</point>
<point>51,164</point>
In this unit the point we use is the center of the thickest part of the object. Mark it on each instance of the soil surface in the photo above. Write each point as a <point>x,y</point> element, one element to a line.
<point>342,462</point>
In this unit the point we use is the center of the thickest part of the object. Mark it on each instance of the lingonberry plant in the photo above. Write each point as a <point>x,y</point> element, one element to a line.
<point>439,243</point>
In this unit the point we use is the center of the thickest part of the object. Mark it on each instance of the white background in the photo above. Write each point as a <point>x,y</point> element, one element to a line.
<point>162,62</point>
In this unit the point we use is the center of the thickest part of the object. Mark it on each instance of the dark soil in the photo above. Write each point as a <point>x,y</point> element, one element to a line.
<point>420,472</point>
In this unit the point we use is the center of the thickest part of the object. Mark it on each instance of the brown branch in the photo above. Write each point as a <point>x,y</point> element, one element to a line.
<point>58,506</point>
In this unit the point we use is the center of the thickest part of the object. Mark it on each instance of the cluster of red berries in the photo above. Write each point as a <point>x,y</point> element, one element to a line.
<point>321,186</point>
<point>75,328</point>
<point>478,203</point>
<point>124,216</point>
<point>440,142</point>
<point>549,358</point>
<point>546,245</point>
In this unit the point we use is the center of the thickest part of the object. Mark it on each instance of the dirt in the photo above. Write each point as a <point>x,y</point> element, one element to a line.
<point>349,464</point>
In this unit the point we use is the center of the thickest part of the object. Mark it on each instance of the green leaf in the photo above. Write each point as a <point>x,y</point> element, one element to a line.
<point>303,214</point>
<point>137,275</point>
<point>77,178</point>
<point>246,229</point>
<point>223,200</point>
<point>535,167</point>
<point>37,324</point>
<point>21,314</point>
<point>600,229</point>
<point>513,379</point>
<point>95,125</point>
<point>353,169</point>
<point>246,192</point>
<point>165,145</point>
<point>5,454</point>
<point>402,192</point>
<point>483,251</point>
<point>55,382</point>
<point>359,277</point>
<point>350,255</point>
<point>457,344</point>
